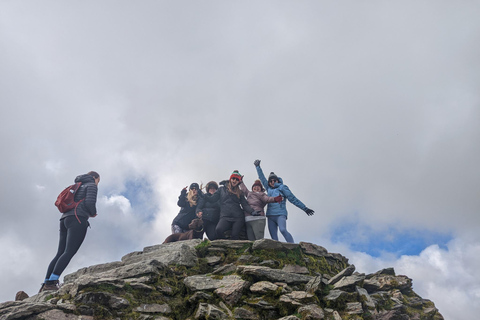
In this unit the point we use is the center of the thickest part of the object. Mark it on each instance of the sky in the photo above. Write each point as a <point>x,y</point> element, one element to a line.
<point>369,111</point>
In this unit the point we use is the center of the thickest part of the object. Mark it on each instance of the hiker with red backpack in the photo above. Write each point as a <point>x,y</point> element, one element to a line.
<point>73,224</point>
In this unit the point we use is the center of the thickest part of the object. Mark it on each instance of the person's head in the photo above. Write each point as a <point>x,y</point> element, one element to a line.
<point>211,187</point>
<point>95,176</point>
<point>272,179</point>
<point>235,178</point>
<point>257,186</point>
<point>194,188</point>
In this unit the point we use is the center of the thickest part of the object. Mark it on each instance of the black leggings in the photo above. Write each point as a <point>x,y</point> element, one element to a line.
<point>209,228</point>
<point>235,225</point>
<point>72,234</point>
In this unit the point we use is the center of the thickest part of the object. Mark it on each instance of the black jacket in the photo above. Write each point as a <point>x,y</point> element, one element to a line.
<point>88,192</point>
<point>210,210</point>
<point>231,206</point>
<point>187,212</point>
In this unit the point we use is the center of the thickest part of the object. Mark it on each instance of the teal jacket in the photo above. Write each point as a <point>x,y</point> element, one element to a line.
<point>279,189</point>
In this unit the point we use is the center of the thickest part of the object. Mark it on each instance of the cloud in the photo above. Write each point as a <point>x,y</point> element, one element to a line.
<point>360,107</point>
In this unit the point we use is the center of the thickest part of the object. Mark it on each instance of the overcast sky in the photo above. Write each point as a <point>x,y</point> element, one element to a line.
<point>369,111</point>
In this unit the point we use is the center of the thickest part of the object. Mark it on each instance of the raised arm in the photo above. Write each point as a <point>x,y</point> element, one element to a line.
<point>261,176</point>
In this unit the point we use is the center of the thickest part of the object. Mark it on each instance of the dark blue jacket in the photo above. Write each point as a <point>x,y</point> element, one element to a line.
<point>88,192</point>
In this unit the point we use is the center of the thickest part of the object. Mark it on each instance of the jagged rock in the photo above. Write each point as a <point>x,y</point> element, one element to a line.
<point>344,273</point>
<point>354,308</point>
<point>21,295</point>
<point>291,317</point>
<point>268,244</point>
<point>297,298</point>
<point>20,309</point>
<point>385,282</point>
<point>311,312</point>
<point>58,315</point>
<point>205,282</point>
<point>154,308</point>
<point>349,283</point>
<point>245,314</point>
<point>186,281</point>
<point>231,293</point>
<point>199,295</point>
<point>209,311</point>
<point>265,273</point>
<point>364,296</point>
<point>293,268</point>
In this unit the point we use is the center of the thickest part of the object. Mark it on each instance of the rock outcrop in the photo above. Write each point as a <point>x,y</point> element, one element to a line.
<point>225,279</point>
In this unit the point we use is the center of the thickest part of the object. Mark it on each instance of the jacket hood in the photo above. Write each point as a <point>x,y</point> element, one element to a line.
<point>84,178</point>
<point>279,183</point>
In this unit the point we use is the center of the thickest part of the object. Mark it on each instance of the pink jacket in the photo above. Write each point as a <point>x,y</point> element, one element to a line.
<point>256,200</point>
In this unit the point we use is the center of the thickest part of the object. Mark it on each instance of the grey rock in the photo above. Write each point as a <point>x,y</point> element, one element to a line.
<point>269,244</point>
<point>364,296</point>
<point>213,260</point>
<point>311,312</point>
<point>154,308</point>
<point>291,317</point>
<point>232,292</point>
<point>58,315</point>
<point>205,282</point>
<point>265,273</point>
<point>315,285</point>
<point>297,298</point>
<point>22,309</point>
<point>181,253</point>
<point>199,295</point>
<point>293,268</point>
<point>344,273</point>
<point>349,283</point>
<point>209,311</point>
<point>354,308</point>
<point>263,287</point>
<point>245,314</point>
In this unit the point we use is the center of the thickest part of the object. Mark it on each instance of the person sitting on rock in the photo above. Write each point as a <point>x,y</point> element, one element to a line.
<point>188,206</point>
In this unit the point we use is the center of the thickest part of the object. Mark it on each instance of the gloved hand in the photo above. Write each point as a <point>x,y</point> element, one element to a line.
<point>256,213</point>
<point>309,211</point>
<point>184,190</point>
<point>257,163</point>
<point>278,198</point>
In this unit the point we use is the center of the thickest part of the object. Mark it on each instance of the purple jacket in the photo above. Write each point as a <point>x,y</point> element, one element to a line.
<point>256,200</point>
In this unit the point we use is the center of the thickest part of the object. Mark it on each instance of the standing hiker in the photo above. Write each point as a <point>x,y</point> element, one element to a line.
<point>73,228</point>
<point>232,207</point>
<point>257,199</point>
<point>277,212</point>
<point>209,211</point>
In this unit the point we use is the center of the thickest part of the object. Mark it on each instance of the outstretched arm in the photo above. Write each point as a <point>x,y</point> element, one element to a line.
<point>294,200</point>
<point>261,176</point>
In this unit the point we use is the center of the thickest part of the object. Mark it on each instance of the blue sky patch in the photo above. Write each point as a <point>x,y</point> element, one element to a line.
<point>363,238</point>
<point>140,194</point>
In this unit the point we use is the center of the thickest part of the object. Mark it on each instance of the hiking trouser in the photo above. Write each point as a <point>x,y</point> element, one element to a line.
<point>279,222</point>
<point>72,234</point>
<point>235,225</point>
<point>209,228</point>
<point>256,229</point>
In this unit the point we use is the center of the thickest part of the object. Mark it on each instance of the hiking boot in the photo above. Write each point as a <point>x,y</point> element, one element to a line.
<point>49,285</point>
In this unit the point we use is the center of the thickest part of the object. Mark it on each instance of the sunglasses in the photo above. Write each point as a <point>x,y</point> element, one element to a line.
<point>274,180</point>
<point>235,179</point>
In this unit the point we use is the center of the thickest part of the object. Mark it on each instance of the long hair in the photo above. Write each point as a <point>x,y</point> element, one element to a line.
<point>192,198</point>
<point>234,190</point>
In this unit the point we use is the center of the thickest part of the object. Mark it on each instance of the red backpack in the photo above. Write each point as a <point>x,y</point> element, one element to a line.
<point>65,200</point>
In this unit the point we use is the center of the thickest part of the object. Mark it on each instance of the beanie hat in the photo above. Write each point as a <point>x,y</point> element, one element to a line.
<point>258,183</point>
<point>272,176</point>
<point>211,184</point>
<point>194,186</point>
<point>236,174</point>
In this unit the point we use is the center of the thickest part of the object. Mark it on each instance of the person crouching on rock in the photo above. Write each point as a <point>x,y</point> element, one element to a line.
<point>188,204</point>
<point>232,206</point>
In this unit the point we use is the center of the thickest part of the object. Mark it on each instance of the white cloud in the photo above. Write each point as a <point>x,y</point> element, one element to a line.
<point>360,107</point>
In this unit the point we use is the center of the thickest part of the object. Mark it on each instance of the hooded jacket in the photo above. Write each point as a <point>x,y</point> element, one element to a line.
<point>187,212</point>
<point>231,206</point>
<point>88,192</point>
<point>256,200</point>
<point>279,189</point>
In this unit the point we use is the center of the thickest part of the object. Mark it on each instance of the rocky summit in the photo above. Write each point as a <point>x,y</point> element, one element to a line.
<point>225,279</point>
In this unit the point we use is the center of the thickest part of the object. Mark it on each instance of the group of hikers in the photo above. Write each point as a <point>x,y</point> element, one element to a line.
<point>232,209</point>
<point>229,207</point>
